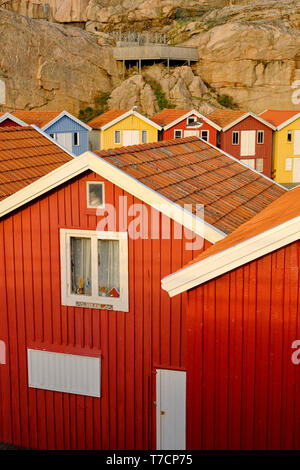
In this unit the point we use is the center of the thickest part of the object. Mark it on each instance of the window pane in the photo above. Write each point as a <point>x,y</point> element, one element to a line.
<point>108,268</point>
<point>95,195</point>
<point>204,135</point>
<point>81,266</point>
<point>177,134</point>
<point>144,137</point>
<point>117,137</point>
<point>76,138</point>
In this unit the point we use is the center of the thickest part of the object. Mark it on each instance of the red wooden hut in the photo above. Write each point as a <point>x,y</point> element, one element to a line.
<point>94,346</point>
<point>243,359</point>
<point>247,137</point>
<point>179,123</point>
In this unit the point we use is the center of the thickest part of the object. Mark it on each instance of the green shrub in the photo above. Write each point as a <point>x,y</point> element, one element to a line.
<point>160,95</point>
<point>100,107</point>
<point>226,101</point>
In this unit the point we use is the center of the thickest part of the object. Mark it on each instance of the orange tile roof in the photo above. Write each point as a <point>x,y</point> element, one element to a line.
<point>281,210</point>
<point>25,156</point>
<point>190,171</point>
<point>277,116</point>
<point>224,117</point>
<point>166,116</point>
<point>107,117</point>
<point>38,118</point>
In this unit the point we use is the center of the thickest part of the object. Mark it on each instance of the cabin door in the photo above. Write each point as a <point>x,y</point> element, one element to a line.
<point>296,142</point>
<point>65,139</point>
<point>247,143</point>
<point>296,170</point>
<point>131,138</point>
<point>170,409</point>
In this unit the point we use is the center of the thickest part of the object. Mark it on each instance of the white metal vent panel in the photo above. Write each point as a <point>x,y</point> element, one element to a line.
<point>67,373</point>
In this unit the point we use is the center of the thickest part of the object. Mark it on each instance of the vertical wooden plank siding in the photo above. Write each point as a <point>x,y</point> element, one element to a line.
<point>132,344</point>
<point>243,391</point>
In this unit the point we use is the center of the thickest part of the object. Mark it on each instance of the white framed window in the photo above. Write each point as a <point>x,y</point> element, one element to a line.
<point>94,269</point>
<point>235,137</point>
<point>76,139</point>
<point>144,137</point>
<point>117,137</point>
<point>260,137</point>
<point>190,120</point>
<point>95,194</point>
<point>53,136</point>
<point>177,134</point>
<point>288,164</point>
<point>60,372</point>
<point>259,165</point>
<point>205,135</point>
<point>289,136</point>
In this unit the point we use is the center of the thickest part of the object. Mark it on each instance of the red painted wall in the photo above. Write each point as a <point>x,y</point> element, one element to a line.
<point>9,123</point>
<point>132,343</point>
<point>243,391</point>
<point>261,150</point>
<point>169,134</point>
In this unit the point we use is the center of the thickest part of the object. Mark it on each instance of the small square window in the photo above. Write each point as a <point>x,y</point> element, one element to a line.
<point>76,138</point>
<point>95,196</point>
<point>260,164</point>
<point>191,120</point>
<point>177,134</point>
<point>144,137</point>
<point>289,136</point>
<point>260,137</point>
<point>288,164</point>
<point>117,137</point>
<point>204,135</point>
<point>235,137</point>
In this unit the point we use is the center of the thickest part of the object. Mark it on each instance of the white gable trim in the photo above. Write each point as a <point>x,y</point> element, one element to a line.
<point>190,113</point>
<point>89,161</point>
<point>131,112</point>
<point>289,121</point>
<point>233,257</point>
<point>65,113</point>
<point>11,117</point>
<point>266,123</point>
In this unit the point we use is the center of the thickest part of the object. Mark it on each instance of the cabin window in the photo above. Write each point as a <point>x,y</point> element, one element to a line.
<point>288,164</point>
<point>235,137</point>
<point>53,136</point>
<point>144,137</point>
<point>259,165</point>
<point>94,268</point>
<point>117,137</point>
<point>95,194</point>
<point>177,134</point>
<point>260,137</point>
<point>204,135</point>
<point>191,120</point>
<point>289,136</point>
<point>60,372</point>
<point>76,139</point>
<point>218,139</point>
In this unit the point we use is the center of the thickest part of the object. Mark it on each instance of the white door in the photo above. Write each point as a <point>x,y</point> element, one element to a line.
<point>190,133</point>
<point>65,139</point>
<point>296,142</point>
<point>171,409</point>
<point>248,143</point>
<point>131,138</point>
<point>296,170</point>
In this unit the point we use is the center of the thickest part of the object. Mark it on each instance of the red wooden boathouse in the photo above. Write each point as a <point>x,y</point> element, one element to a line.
<point>9,120</point>
<point>243,359</point>
<point>92,341</point>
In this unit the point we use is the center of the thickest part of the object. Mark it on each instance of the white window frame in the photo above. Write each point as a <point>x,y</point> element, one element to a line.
<point>238,134</point>
<point>177,130</point>
<point>117,133</point>
<point>144,132</point>
<point>78,142</point>
<point>94,300</point>
<point>289,132</point>
<point>205,130</point>
<point>190,118</point>
<point>88,183</point>
<point>263,137</point>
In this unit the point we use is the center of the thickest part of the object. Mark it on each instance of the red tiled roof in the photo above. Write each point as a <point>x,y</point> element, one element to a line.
<point>277,116</point>
<point>283,209</point>
<point>224,117</point>
<point>190,171</point>
<point>104,118</point>
<point>25,156</point>
<point>38,118</point>
<point>166,116</point>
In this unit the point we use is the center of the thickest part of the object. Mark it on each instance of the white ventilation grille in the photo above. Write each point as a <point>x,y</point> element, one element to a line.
<point>67,373</point>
